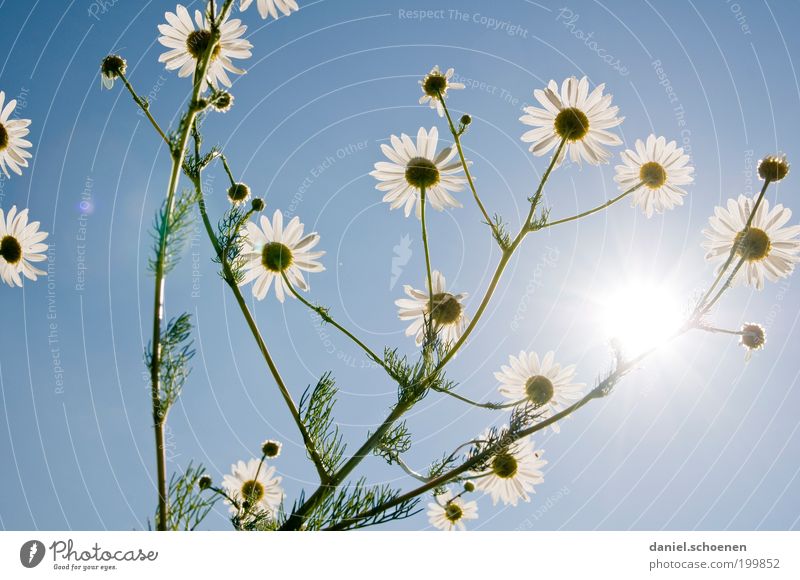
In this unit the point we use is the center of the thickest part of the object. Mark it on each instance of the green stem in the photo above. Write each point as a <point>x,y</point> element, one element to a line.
<point>297,518</point>
<point>443,479</point>
<point>323,314</point>
<point>457,139</point>
<point>227,169</point>
<point>230,279</point>
<point>429,321</point>
<point>145,107</point>
<point>492,406</point>
<point>178,153</point>
<point>725,286</point>
<point>594,210</point>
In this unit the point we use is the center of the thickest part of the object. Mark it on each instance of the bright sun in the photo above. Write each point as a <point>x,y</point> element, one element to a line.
<point>641,316</point>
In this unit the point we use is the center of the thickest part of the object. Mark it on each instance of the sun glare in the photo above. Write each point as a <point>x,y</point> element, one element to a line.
<point>641,316</point>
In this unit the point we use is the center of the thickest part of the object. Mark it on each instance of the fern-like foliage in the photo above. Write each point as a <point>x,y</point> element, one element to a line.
<point>176,352</point>
<point>316,412</point>
<point>231,237</point>
<point>394,443</point>
<point>188,507</point>
<point>352,499</point>
<point>171,233</point>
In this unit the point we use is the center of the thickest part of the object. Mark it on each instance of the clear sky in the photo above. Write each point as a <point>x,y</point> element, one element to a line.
<point>696,438</point>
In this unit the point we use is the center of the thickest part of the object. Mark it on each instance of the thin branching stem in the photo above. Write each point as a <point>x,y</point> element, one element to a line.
<point>725,286</point>
<point>145,107</point>
<point>601,207</point>
<point>492,406</point>
<point>423,203</point>
<point>457,139</point>
<point>230,279</point>
<point>178,151</point>
<point>325,316</point>
<point>598,392</point>
<point>297,518</point>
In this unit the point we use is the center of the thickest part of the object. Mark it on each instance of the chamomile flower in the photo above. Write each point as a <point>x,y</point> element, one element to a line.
<point>768,249</point>
<point>661,168</point>
<point>254,482</point>
<point>448,315</point>
<point>574,114</point>
<point>414,166</point>
<point>448,513</point>
<point>13,154</point>
<point>437,83</point>
<point>541,383</point>
<point>188,43</point>
<point>513,473</point>
<point>270,7</point>
<point>270,251</point>
<point>20,244</point>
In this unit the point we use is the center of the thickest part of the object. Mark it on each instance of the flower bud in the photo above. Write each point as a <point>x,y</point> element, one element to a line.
<point>204,482</point>
<point>222,101</point>
<point>112,67</point>
<point>753,336</point>
<point>258,204</point>
<point>271,448</point>
<point>238,193</point>
<point>466,120</point>
<point>469,487</point>
<point>773,167</point>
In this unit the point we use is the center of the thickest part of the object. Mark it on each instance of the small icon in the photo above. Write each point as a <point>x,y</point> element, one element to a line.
<point>31,553</point>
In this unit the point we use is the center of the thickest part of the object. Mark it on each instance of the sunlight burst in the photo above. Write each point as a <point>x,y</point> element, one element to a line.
<point>641,316</point>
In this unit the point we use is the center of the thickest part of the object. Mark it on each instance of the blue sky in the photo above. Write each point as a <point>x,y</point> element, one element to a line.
<point>694,439</point>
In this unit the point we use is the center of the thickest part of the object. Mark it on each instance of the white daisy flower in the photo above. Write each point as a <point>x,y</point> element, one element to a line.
<point>412,167</point>
<point>20,244</point>
<point>448,513</point>
<point>448,311</point>
<point>574,114</point>
<point>543,384</point>
<point>512,474</point>
<point>271,250</point>
<point>187,44</point>
<point>435,83</point>
<point>271,7</point>
<point>255,482</point>
<point>661,168</point>
<point>769,249</point>
<point>12,145</point>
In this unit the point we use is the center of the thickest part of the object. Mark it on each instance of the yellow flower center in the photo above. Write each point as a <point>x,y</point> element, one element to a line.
<point>571,124</point>
<point>753,245</point>
<point>3,137</point>
<point>252,491</point>
<point>422,172</point>
<point>539,390</point>
<point>453,512</point>
<point>446,309</point>
<point>10,249</point>
<point>504,465</point>
<point>653,175</point>
<point>197,44</point>
<point>276,257</point>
